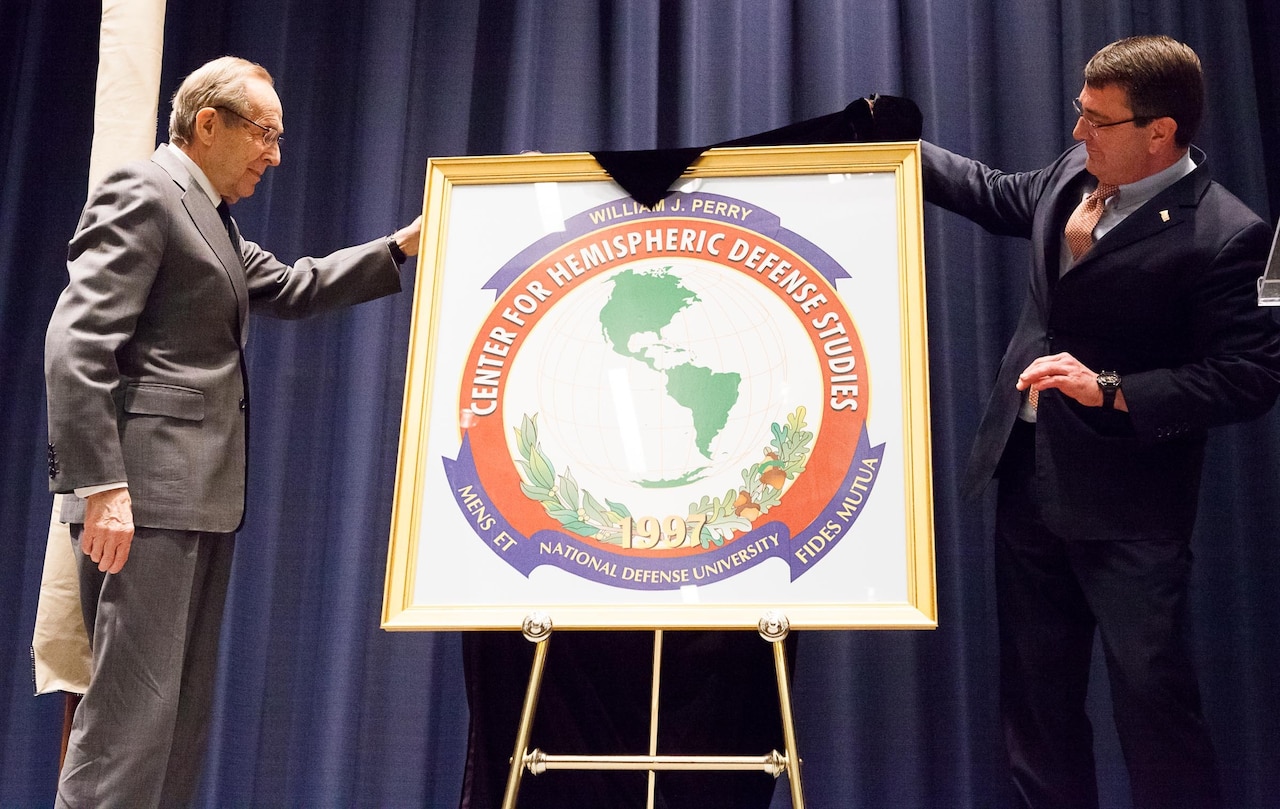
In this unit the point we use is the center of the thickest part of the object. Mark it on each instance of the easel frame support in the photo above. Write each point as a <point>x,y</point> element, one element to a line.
<point>773,627</point>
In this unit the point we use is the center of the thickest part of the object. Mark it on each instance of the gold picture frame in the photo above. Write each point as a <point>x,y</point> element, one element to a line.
<point>581,366</point>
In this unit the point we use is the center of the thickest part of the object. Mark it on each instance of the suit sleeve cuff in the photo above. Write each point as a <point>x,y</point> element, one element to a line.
<point>87,491</point>
<point>396,252</point>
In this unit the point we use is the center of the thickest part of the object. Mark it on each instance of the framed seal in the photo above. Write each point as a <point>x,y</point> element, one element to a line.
<point>681,416</point>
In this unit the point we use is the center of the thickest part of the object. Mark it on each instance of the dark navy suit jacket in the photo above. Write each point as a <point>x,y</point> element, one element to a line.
<point>1167,298</point>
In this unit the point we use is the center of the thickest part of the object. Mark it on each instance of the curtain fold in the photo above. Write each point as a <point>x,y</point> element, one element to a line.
<point>319,707</point>
<point>49,53</point>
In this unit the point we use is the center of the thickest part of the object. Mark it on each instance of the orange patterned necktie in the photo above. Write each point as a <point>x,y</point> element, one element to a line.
<point>1079,235</point>
<point>1079,230</point>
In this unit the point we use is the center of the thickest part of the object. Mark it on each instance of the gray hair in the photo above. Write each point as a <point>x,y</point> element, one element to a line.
<point>219,83</point>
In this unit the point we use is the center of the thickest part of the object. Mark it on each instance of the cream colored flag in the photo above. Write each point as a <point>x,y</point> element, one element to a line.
<point>124,129</point>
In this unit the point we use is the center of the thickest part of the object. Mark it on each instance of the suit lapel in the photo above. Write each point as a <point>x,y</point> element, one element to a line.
<point>1065,197</point>
<point>209,223</point>
<point>1170,208</point>
<point>206,219</point>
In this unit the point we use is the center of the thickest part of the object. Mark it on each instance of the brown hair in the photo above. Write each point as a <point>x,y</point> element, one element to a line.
<point>1160,76</point>
<point>219,83</point>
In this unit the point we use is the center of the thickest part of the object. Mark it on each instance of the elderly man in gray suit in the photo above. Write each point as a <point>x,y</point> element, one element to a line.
<point>148,409</point>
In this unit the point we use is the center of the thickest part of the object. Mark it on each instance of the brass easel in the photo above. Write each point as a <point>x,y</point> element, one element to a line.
<point>773,627</point>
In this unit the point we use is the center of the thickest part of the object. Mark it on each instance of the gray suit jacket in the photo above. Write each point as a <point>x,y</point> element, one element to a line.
<point>144,355</point>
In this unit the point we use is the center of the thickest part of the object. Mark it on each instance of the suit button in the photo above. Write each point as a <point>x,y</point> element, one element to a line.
<point>243,403</point>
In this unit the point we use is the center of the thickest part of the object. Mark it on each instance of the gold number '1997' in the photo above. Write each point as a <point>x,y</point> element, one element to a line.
<point>646,533</point>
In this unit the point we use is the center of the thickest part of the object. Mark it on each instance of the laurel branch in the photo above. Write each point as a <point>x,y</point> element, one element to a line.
<point>581,513</point>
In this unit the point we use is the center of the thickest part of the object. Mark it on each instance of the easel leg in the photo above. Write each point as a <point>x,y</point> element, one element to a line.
<point>788,725</point>
<point>653,712</point>
<point>526,723</point>
<point>774,627</point>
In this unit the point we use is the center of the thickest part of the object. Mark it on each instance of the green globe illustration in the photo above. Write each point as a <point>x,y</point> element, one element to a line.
<point>665,374</point>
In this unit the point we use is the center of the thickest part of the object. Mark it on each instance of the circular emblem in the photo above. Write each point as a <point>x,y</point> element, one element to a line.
<point>665,397</point>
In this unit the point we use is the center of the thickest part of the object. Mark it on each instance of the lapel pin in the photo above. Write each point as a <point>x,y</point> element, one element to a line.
<point>1164,216</point>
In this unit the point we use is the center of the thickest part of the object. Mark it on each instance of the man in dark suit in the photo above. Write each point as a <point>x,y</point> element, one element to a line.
<point>1140,332</point>
<point>148,410</point>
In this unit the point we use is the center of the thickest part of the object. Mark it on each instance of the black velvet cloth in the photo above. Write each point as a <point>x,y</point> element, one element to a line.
<point>718,696</point>
<point>648,174</point>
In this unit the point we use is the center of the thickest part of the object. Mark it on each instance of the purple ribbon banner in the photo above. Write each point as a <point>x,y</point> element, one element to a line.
<point>696,206</point>
<point>594,562</point>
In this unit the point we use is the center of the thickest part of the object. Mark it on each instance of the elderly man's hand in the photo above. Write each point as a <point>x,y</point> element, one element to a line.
<point>408,236</point>
<point>108,529</point>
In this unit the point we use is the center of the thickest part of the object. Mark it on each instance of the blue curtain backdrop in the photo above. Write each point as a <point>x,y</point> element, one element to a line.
<point>317,706</point>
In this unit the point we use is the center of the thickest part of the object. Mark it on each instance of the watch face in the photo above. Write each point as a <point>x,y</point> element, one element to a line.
<point>1108,379</point>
